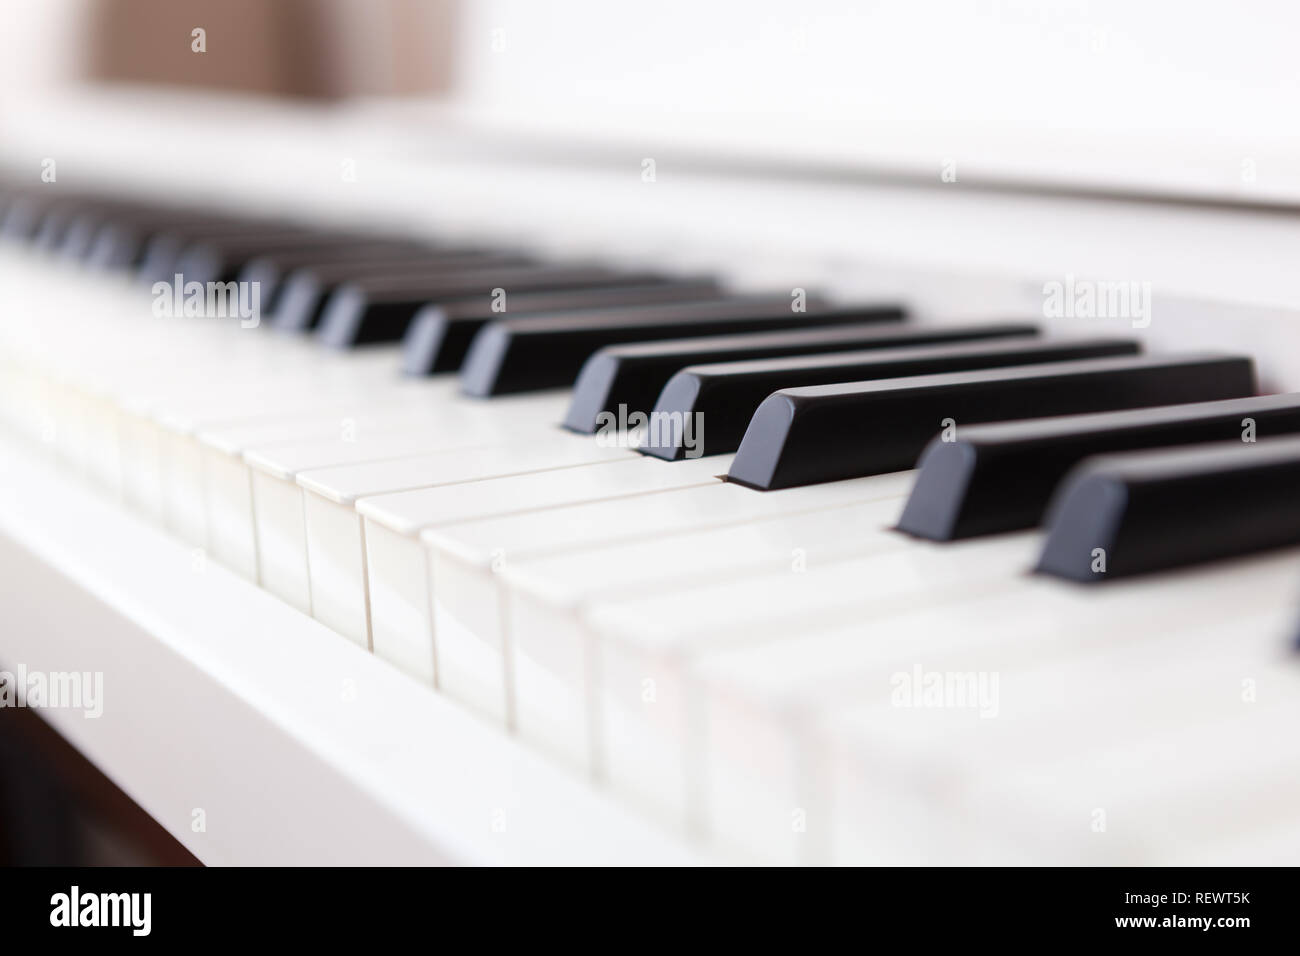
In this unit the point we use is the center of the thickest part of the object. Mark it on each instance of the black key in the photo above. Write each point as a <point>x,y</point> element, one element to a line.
<point>801,436</point>
<point>632,376</point>
<point>222,260</point>
<point>36,217</point>
<point>118,244</point>
<point>80,236</point>
<point>115,245</point>
<point>439,335</point>
<point>122,241</point>
<point>300,302</point>
<point>54,225</point>
<point>79,240</point>
<point>1133,513</point>
<point>70,226</point>
<point>22,218</point>
<point>21,209</point>
<point>307,290</point>
<point>722,398</point>
<point>164,247</point>
<point>526,354</point>
<point>8,201</point>
<point>1000,477</point>
<point>380,309</point>
<point>383,256</point>
<point>57,214</point>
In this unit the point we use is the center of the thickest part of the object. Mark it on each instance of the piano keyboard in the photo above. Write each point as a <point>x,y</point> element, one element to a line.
<point>674,537</point>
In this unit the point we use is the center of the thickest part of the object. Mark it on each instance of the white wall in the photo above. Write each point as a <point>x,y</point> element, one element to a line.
<point>1155,92</point>
<point>40,45</point>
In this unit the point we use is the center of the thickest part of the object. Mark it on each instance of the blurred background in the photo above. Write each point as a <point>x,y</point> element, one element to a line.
<point>1160,95</point>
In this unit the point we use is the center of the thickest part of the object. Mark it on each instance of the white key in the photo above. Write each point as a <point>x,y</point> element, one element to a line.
<point>1210,780</point>
<point>183,450</point>
<point>279,524</point>
<point>470,645</point>
<point>546,597</point>
<point>183,507</point>
<point>1270,845</point>
<point>396,580</point>
<point>335,542</point>
<point>774,690</point>
<point>227,499</point>
<point>653,638</point>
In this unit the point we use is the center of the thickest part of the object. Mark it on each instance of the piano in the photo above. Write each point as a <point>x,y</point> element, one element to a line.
<point>454,497</point>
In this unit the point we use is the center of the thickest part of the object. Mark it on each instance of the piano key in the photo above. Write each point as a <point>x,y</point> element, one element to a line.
<point>439,335</point>
<point>305,294</point>
<point>115,245</point>
<point>227,477</point>
<point>653,637</point>
<point>335,547</point>
<point>396,585</point>
<point>516,355</point>
<point>243,380</point>
<point>30,209</point>
<point>544,597</point>
<point>1273,844</point>
<point>822,632</point>
<point>87,219</point>
<point>186,505</point>
<point>79,239</point>
<point>227,506</point>
<point>464,559</point>
<point>719,400</point>
<point>801,435</point>
<point>632,376</point>
<point>1086,697</point>
<point>302,295</point>
<point>22,217</point>
<point>121,240</point>
<point>774,691</point>
<point>1137,512</point>
<point>382,256</point>
<point>999,477</point>
<point>379,309</point>
<point>160,416</point>
<point>112,358</point>
<point>162,247</point>
<point>54,225</point>
<point>1158,792</point>
<point>221,259</point>
<point>279,530</point>
<point>227,510</point>
<point>71,225</point>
